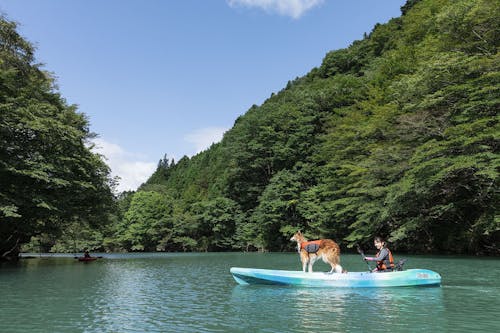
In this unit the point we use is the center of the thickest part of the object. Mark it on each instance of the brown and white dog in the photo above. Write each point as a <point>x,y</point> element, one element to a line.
<point>310,251</point>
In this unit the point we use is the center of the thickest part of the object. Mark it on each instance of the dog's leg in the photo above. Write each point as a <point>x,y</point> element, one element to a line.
<point>312,260</point>
<point>335,268</point>
<point>328,260</point>
<point>304,258</point>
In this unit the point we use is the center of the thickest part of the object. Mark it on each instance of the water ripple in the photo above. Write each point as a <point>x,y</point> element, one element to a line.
<point>196,293</point>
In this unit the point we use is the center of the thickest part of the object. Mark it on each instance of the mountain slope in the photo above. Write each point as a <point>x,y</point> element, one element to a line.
<point>396,135</point>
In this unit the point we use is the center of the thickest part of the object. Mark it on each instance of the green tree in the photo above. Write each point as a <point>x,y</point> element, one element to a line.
<point>147,225</point>
<point>49,176</point>
<point>276,217</point>
<point>217,220</point>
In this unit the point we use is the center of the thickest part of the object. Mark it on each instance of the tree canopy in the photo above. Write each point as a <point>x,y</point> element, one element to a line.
<point>49,176</point>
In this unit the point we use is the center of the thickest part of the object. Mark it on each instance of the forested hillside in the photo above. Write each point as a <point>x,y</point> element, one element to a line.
<point>396,135</point>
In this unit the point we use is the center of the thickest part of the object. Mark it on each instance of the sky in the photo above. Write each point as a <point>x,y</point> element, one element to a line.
<point>169,77</point>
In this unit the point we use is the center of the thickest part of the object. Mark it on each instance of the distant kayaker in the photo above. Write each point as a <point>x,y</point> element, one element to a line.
<point>86,254</point>
<point>384,259</point>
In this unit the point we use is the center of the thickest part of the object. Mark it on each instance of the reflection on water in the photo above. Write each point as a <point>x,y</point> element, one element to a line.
<point>344,310</point>
<point>196,293</point>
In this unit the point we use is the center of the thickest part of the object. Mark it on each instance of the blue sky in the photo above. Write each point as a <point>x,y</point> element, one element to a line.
<point>169,77</point>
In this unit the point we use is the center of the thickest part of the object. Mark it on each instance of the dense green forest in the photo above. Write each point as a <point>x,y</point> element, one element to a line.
<point>50,181</point>
<point>396,135</point>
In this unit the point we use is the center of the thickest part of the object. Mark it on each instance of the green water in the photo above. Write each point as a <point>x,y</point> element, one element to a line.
<point>196,293</point>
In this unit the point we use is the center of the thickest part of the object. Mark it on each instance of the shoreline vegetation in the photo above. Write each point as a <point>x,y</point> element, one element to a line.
<point>110,255</point>
<point>396,135</point>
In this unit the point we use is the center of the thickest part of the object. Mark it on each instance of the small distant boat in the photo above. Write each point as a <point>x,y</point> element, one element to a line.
<point>410,277</point>
<point>86,259</point>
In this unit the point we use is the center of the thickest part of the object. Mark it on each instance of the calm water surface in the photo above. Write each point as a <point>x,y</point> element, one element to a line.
<point>196,293</point>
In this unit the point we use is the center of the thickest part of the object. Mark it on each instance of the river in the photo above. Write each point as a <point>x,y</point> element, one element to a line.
<point>194,292</point>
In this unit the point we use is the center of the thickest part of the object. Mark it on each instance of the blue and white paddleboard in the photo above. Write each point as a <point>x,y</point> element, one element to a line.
<point>410,277</point>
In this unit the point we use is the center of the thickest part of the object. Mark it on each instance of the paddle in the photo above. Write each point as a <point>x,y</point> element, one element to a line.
<point>363,256</point>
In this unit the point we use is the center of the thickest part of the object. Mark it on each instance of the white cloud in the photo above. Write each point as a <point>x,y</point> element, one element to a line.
<point>130,167</point>
<point>133,170</point>
<point>292,8</point>
<point>204,137</point>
